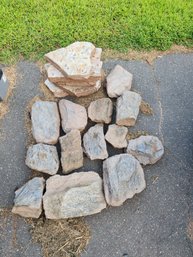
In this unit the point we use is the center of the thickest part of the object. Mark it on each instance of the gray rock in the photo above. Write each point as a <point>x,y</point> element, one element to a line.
<point>146,149</point>
<point>118,81</point>
<point>28,199</point>
<point>73,115</point>
<point>128,108</point>
<point>71,151</point>
<point>123,178</point>
<point>45,122</point>
<point>74,195</point>
<point>116,136</point>
<point>94,143</point>
<point>43,158</point>
<point>4,86</point>
<point>101,110</point>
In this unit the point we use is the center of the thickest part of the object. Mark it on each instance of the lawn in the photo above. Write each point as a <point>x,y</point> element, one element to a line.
<point>30,28</point>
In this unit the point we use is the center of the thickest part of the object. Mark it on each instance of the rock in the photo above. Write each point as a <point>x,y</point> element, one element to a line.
<point>82,90</point>
<point>123,178</point>
<point>4,86</point>
<point>118,81</point>
<point>128,108</point>
<point>28,199</point>
<point>146,149</point>
<point>71,151</point>
<point>94,143</point>
<point>116,136</point>
<point>75,60</point>
<point>58,92</point>
<point>45,122</point>
<point>43,158</point>
<point>101,110</point>
<point>74,195</point>
<point>73,115</point>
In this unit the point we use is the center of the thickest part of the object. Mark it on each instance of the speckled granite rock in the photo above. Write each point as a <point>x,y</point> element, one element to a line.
<point>74,195</point>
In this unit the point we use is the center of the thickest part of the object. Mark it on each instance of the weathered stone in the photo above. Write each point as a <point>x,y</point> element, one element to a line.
<point>45,122</point>
<point>123,178</point>
<point>147,149</point>
<point>28,199</point>
<point>74,195</point>
<point>116,136</point>
<point>94,143</point>
<point>73,60</point>
<point>72,153</point>
<point>73,115</point>
<point>118,81</point>
<point>57,92</point>
<point>81,90</point>
<point>43,158</point>
<point>101,110</point>
<point>128,108</point>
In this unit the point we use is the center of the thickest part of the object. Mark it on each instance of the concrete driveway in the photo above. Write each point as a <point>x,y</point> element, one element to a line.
<point>153,223</point>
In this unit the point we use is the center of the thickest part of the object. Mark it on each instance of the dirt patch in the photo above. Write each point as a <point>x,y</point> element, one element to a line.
<point>10,73</point>
<point>60,238</point>
<point>190,230</point>
<point>145,108</point>
<point>136,134</point>
<point>144,55</point>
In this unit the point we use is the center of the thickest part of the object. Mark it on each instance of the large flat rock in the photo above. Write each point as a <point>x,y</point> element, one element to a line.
<point>75,195</point>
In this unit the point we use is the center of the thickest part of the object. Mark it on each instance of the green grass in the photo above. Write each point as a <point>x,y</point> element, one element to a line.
<point>30,28</point>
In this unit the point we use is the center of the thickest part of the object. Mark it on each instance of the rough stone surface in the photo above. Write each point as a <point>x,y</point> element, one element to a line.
<point>128,108</point>
<point>28,198</point>
<point>74,116</point>
<point>74,60</point>
<point>94,143</point>
<point>58,92</point>
<point>75,195</point>
<point>118,81</point>
<point>82,90</point>
<point>116,136</point>
<point>43,158</point>
<point>146,149</point>
<point>71,151</point>
<point>45,122</point>
<point>123,178</point>
<point>101,110</point>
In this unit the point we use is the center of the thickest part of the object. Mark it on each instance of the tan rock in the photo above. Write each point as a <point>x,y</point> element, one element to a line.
<point>74,195</point>
<point>73,60</point>
<point>101,110</point>
<point>128,108</point>
<point>71,151</point>
<point>57,92</point>
<point>116,136</point>
<point>123,178</point>
<point>146,149</point>
<point>74,116</point>
<point>118,81</point>
<point>28,199</point>
<point>45,122</point>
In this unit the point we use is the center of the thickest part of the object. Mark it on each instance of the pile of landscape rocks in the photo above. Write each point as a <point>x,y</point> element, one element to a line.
<point>84,193</point>
<point>74,70</point>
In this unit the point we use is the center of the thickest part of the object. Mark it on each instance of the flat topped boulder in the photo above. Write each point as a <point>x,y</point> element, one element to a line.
<point>118,81</point>
<point>74,195</point>
<point>94,143</point>
<point>74,116</point>
<point>146,149</point>
<point>116,136</point>
<point>28,199</point>
<point>123,178</point>
<point>43,158</point>
<point>101,110</point>
<point>71,151</point>
<point>45,122</point>
<point>73,60</point>
<point>128,108</point>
